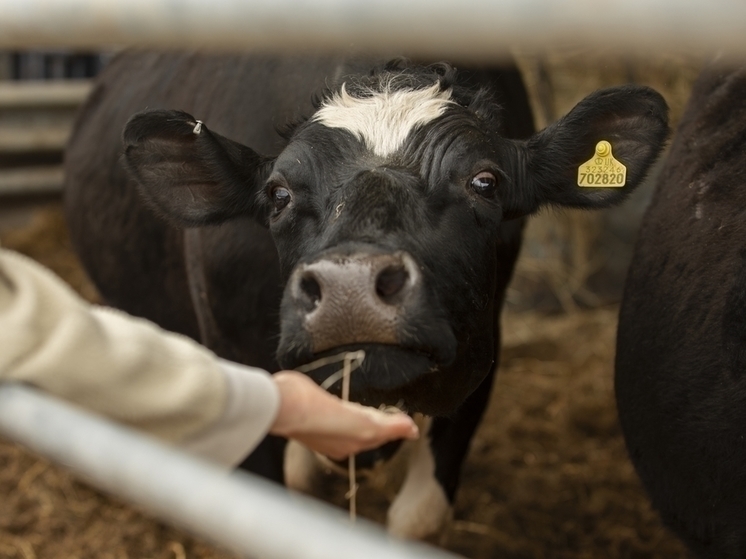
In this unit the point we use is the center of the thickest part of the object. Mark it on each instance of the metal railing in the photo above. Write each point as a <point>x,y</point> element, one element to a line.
<point>476,28</point>
<point>36,118</point>
<point>240,512</point>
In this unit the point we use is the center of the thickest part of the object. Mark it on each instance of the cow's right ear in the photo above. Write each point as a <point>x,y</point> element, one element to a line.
<point>632,121</point>
<point>189,174</point>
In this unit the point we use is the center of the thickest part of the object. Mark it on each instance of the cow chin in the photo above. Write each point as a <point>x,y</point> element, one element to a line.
<point>390,375</point>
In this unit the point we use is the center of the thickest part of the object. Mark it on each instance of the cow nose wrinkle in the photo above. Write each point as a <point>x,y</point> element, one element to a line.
<point>310,288</point>
<point>390,282</point>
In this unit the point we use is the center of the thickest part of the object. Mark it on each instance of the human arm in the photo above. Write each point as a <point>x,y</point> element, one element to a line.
<point>164,383</point>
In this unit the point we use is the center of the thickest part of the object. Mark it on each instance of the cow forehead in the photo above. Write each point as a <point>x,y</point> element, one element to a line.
<point>384,119</point>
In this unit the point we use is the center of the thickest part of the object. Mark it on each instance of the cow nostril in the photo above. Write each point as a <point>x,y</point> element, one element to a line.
<point>311,288</point>
<point>391,281</point>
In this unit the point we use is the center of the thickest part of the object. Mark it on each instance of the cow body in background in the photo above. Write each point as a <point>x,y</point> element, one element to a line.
<point>681,347</point>
<point>388,218</point>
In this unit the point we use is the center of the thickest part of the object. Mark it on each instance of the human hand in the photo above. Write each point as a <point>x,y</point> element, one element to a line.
<point>325,424</point>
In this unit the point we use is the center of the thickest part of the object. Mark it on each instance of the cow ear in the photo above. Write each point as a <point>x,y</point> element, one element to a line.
<point>633,119</point>
<point>189,174</point>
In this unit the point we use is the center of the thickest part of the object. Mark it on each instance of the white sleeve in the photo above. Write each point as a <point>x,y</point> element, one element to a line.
<point>253,403</point>
<point>126,368</point>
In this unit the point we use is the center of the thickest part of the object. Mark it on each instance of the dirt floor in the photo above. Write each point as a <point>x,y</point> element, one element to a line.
<point>547,475</point>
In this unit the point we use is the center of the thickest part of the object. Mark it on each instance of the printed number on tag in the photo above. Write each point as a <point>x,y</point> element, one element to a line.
<point>602,170</point>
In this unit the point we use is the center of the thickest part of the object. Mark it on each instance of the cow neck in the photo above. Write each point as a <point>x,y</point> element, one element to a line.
<point>198,291</point>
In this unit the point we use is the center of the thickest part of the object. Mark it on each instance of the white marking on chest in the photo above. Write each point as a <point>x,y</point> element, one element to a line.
<point>421,508</point>
<point>384,119</point>
<point>302,468</point>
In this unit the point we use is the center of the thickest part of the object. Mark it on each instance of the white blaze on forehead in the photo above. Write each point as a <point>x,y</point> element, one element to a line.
<point>384,119</point>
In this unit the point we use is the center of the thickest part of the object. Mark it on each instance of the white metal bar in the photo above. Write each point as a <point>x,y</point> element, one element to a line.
<point>428,27</point>
<point>241,512</point>
<point>47,94</point>
<point>34,137</point>
<point>34,180</point>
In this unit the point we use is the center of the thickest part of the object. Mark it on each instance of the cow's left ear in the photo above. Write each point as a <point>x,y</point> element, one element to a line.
<point>189,174</point>
<point>633,119</point>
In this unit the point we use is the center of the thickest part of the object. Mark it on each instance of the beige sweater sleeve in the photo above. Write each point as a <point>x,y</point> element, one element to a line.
<point>127,368</point>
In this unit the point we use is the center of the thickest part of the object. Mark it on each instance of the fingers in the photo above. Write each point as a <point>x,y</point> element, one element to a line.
<point>398,426</point>
<point>326,424</point>
<point>384,426</point>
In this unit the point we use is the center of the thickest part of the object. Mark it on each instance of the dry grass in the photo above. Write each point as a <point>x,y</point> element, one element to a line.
<point>46,513</point>
<point>46,240</point>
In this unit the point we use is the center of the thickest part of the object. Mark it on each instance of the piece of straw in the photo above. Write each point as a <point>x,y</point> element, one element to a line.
<point>352,361</point>
<point>352,493</point>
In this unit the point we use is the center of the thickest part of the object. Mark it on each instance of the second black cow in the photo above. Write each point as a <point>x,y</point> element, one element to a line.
<point>681,346</point>
<point>387,218</point>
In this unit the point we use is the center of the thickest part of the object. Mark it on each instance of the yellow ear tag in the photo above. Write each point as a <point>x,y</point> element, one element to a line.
<point>602,171</point>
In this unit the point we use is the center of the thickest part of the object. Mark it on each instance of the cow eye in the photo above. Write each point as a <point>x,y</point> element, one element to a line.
<point>484,184</point>
<point>280,197</point>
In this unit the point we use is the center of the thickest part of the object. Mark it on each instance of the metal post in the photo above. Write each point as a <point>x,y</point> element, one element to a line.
<point>238,511</point>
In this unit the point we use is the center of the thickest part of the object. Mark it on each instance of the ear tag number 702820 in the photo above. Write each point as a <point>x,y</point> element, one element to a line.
<point>602,170</point>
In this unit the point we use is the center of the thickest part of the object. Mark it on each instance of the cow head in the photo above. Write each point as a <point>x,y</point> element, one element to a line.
<point>386,209</point>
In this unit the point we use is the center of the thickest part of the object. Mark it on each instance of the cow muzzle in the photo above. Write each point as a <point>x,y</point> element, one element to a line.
<point>377,302</point>
<point>362,298</point>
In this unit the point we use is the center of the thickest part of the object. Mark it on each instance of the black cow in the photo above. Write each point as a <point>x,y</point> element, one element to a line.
<point>681,347</point>
<point>387,218</point>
